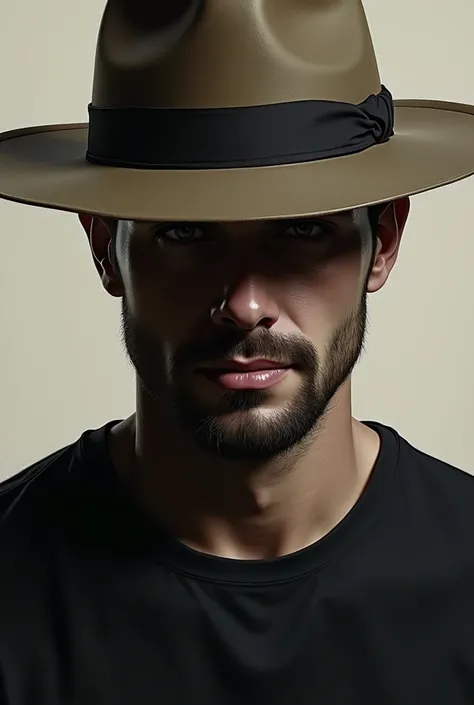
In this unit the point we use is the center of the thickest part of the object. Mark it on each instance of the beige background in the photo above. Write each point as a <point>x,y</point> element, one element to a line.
<point>62,368</point>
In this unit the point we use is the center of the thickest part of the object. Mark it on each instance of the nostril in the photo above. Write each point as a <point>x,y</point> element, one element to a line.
<point>228,321</point>
<point>267,322</point>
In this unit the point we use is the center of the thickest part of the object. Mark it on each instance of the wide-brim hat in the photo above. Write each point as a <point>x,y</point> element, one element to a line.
<point>213,110</point>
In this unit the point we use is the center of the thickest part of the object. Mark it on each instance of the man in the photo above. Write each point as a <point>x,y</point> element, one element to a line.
<point>241,538</point>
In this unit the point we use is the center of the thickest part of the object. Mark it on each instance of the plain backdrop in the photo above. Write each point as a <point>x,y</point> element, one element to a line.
<point>62,366</point>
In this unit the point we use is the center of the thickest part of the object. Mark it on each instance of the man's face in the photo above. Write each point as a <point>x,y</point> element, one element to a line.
<point>244,332</point>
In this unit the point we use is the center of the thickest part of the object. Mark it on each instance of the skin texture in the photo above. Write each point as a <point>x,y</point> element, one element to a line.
<point>245,474</point>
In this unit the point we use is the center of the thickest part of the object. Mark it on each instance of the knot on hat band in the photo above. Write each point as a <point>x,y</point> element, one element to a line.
<point>219,138</point>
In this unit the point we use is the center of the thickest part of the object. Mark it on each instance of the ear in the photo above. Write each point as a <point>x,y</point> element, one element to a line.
<point>389,234</point>
<point>100,235</point>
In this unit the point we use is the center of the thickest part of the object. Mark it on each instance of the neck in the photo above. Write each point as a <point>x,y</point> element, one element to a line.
<point>236,511</point>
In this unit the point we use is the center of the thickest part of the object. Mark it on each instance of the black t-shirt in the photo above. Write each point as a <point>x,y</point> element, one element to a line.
<point>100,607</point>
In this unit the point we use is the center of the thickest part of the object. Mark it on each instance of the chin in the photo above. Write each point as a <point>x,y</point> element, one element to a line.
<point>259,417</point>
<point>254,425</point>
<point>256,417</point>
<point>254,435</point>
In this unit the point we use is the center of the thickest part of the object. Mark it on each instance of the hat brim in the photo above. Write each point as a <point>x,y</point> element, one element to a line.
<point>433,146</point>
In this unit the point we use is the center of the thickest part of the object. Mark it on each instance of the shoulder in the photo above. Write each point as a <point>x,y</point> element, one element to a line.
<point>29,503</point>
<point>47,511</point>
<point>29,511</point>
<point>46,508</point>
<point>435,469</point>
<point>431,490</point>
<point>409,456</point>
<point>25,491</point>
<point>41,490</point>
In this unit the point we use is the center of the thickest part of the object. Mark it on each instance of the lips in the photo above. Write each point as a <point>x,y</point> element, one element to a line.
<point>249,375</point>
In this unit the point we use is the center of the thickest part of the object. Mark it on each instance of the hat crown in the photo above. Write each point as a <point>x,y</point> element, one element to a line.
<point>229,53</point>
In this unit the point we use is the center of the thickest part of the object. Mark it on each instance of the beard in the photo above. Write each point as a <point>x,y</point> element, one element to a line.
<point>234,427</point>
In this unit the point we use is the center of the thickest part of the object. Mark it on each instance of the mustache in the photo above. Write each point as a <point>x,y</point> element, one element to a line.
<point>290,349</point>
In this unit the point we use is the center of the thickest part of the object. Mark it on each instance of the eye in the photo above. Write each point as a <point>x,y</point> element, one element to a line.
<point>181,234</point>
<point>309,230</point>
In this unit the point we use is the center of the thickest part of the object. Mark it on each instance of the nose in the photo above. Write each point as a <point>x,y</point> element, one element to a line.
<point>247,305</point>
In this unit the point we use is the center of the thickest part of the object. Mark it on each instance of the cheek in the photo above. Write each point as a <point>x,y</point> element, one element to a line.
<point>171,303</point>
<point>321,300</point>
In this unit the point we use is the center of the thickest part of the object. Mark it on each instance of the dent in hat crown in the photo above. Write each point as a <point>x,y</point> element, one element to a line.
<point>229,53</point>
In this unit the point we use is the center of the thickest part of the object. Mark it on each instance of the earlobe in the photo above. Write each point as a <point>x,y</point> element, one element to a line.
<point>378,274</point>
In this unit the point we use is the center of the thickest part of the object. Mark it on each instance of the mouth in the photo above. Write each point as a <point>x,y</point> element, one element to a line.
<point>248,375</point>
